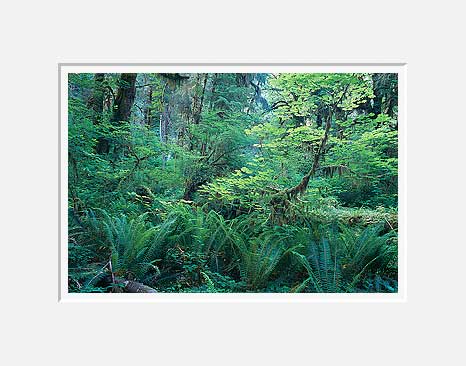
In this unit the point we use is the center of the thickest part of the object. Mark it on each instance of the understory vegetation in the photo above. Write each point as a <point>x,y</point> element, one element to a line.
<point>225,182</point>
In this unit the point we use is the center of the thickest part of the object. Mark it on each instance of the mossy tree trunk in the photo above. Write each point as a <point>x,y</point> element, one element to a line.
<point>124,98</point>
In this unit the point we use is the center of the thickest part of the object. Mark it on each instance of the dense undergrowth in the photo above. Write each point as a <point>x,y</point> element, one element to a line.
<point>194,249</point>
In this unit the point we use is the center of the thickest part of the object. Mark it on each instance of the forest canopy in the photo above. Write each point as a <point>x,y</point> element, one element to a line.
<point>233,182</point>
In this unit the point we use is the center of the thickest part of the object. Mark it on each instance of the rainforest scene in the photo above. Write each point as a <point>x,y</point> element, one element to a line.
<point>232,182</point>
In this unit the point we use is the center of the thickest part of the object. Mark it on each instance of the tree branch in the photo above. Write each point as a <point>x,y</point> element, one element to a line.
<point>302,186</point>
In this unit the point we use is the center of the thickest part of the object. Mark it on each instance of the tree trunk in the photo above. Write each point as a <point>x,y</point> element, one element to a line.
<point>212,90</point>
<point>133,286</point>
<point>148,114</point>
<point>302,186</point>
<point>124,98</point>
<point>191,187</point>
<point>198,111</point>
<point>121,107</point>
<point>96,101</point>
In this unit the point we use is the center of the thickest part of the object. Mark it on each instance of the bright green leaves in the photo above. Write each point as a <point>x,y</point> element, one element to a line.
<point>244,185</point>
<point>301,95</point>
<point>246,170</point>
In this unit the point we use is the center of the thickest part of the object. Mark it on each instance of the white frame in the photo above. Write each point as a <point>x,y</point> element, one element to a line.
<point>393,67</point>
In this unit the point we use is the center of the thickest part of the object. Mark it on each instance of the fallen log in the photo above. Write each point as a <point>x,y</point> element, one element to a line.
<point>133,286</point>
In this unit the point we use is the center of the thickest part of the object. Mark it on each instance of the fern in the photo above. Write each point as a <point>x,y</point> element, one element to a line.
<point>260,256</point>
<point>339,261</point>
<point>312,278</point>
<point>129,241</point>
<point>323,267</point>
<point>209,282</point>
<point>366,251</point>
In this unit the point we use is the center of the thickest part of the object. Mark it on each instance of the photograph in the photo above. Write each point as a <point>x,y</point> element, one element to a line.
<point>229,182</point>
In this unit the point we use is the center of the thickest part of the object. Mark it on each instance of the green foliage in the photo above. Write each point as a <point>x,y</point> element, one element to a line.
<point>260,256</point>
<point>193,193</point>
<point>129,241</point>
<point>344,261</point>
<point>367,251</point>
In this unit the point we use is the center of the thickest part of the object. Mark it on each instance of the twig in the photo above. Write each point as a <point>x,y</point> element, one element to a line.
<point>77,283</point>
<point>111,270</point>
<point>100,272</point>
<point>391,227</point>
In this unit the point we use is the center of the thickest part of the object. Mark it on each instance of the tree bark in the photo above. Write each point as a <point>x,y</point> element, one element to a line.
<point>191,187</point>
<point>124,98</point>
<point>96,102</point>
<point>148,115</point>
<point>121,107</point>
<point>133,286</point>
<point>302,186</point>
<point>201,103</point>
<point>198,100</point>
